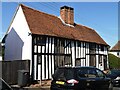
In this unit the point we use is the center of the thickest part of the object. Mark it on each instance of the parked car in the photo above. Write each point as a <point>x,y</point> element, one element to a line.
<point>79,78</point>
<point>115,76</point>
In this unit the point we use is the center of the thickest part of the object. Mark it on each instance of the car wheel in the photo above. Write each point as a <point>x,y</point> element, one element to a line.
<point>110,86</point>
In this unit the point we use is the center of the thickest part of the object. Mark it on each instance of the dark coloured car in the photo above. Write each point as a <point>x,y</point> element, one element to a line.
<point>115,76</point>
<point>80,78</point>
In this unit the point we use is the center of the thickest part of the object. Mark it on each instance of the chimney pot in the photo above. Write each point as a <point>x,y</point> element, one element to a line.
<point>67,14</point>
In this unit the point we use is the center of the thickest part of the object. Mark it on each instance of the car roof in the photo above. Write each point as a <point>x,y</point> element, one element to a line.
<point>77,67</point>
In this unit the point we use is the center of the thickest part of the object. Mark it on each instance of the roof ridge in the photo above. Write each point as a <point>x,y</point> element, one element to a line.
<point>85,27</point>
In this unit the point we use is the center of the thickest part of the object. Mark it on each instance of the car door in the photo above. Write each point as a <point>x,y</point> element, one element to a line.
<point>101,79</point>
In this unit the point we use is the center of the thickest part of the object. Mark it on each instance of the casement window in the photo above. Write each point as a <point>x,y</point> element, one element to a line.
<point>67,60</point>
<point>59,61</point>
<point>67,47</point>
<point>102,48</point>
<point>39,59</point>
<point>56,45</point>
<point>78,49</point>
<point>78,62</point>
<point>40,40</point>
<point>59,46</point>
<point>63,60</point>
<point>92,48</point>
<point>97,47</point>
<point>105,61</point>
<point>35,41</point>
<point>100,59</point>
<point>92,61</point>
<point>62,44</point>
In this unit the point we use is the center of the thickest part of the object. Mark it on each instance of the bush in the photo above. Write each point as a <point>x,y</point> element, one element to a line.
<point>114,62</point>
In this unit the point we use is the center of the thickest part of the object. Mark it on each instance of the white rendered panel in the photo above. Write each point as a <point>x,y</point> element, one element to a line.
<point>35,66</point>
<point>39,72</point>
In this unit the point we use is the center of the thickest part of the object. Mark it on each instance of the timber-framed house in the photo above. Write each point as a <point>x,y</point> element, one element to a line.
<point>49,41</point>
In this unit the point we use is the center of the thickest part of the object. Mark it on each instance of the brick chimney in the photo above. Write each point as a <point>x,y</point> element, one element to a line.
<point>67,15</point>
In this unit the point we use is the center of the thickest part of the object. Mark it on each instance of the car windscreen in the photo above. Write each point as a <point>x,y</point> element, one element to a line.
<point>64,74</point>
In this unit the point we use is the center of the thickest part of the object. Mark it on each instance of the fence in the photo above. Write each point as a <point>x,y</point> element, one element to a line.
<point>10,69</point>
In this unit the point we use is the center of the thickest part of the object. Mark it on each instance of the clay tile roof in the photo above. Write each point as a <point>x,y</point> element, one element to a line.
<point>116,47</point>
<point>45,24</point>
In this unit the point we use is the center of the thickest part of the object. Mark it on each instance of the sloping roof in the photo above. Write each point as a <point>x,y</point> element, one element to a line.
<point>116,47</point>
<point>45,24</point>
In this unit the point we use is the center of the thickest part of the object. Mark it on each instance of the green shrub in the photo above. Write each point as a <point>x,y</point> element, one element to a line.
<point>114,62</point>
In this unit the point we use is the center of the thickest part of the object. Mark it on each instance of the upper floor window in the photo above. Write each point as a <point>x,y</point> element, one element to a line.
<point>59,45</point>
<point>92,48</point>
<point>102,48</point>
<point>35,41</point>
<point>41,40</point>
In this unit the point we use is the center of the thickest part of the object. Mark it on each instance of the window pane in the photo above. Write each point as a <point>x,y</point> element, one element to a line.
<point>92,48</point>
<point>78,62</point>
<point>41,40</point>
<point>92,60</point>
<point>39,59</point>
<point>68,60</point>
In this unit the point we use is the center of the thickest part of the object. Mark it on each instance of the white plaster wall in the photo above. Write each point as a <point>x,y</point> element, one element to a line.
<point>21,28</point>
<point>97,61</point>
<point>73,52</point>
<point>115,53</point>
<point>103,52</point>
<point>35,67</point>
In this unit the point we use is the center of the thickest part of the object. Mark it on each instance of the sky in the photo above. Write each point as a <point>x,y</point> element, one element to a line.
<point>101,16</point>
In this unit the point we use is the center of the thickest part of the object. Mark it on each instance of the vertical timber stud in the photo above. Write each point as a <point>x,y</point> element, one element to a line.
<point>32,61</point>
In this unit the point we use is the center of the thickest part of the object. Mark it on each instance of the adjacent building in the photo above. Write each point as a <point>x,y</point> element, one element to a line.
<point>115,50</point>
<point>49,41</point>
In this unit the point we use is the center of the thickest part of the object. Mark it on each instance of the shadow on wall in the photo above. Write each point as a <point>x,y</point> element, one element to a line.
<point>13,46</point>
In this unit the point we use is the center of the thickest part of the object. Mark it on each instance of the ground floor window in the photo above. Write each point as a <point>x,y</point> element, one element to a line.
<point>92,61</point>
<point>105,61</point>
<point>63,60</point>
<point>68,60</point>
<point>78,62</point>
<point>100,60</point>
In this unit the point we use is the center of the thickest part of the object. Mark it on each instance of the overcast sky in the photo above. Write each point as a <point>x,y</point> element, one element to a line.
<point>101,16</point>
